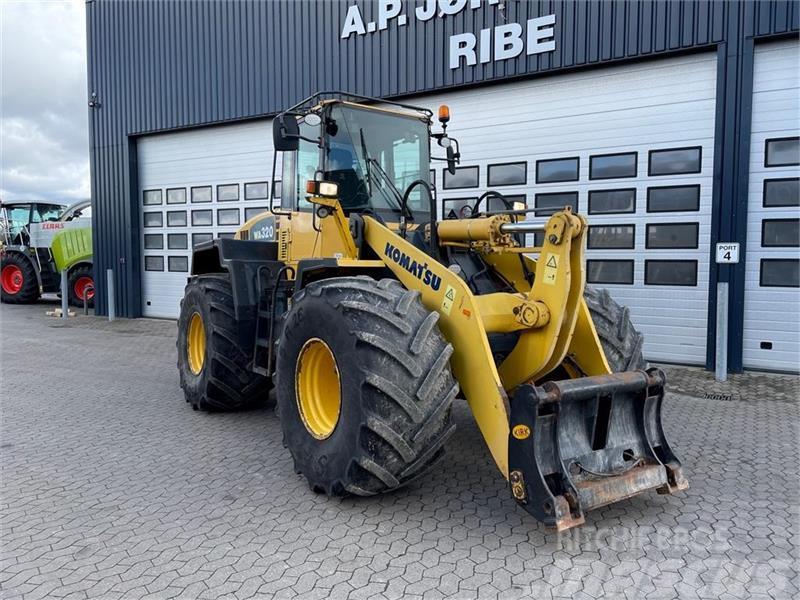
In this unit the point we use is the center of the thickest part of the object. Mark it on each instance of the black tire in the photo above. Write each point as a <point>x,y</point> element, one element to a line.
<point>621,342</point>
<point>396,385</point>
<point>29,290</point>
<point>75,275</point>
<point>225,381</point>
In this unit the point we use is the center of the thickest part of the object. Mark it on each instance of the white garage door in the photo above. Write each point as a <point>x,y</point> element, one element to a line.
<point>195,185</point>
<point>772,298</point>
<point>631,147</point>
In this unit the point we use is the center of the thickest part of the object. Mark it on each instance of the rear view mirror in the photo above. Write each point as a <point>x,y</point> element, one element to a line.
<point>285,133</point>
<point>451,160</point>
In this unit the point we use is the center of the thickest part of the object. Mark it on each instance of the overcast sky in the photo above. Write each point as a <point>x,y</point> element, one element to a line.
<point>44,148</point>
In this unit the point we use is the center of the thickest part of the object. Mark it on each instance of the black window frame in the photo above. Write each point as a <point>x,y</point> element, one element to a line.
<point>695,186</point>
<point>246,183</point>
<point>542,214</point>
<point>629,261</point>
<point>204,210</point>
<point>477,168</point>
<point>238,218</point>
<point>577,160</point>
<point>778,180</point>
<point>177,235</point>
<point>635,166</point>
<point>203,233</point>
<point>152,212</point>
<point>277,183</point>
<point>160,236</point>
<point>648,261</point>
<point>238,192</point>
<point>160,197</point>
<point>260,209</point>
<point>176,189</point>
<point>597,225</point>
<point>524,164</point>
<point>473,200</point>
<point>773,260</point>
<point>154,256</point>
<point>656,150</point>
<point>210,188</point>
<point>623,212</point>
<point>781,139</point>
<point>696,236</point>
<point>781,220</point>
<point>185,214</point>
<point>169,264</point>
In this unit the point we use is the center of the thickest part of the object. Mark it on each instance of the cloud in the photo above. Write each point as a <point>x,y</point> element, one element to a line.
<point>44,139</point>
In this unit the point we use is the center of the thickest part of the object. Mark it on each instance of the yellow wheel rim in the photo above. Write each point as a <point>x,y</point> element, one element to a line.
<point>318,388</point>
<point>196,344</point>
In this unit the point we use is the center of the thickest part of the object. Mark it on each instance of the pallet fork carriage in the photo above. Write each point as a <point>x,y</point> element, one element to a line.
<point>370,316</point>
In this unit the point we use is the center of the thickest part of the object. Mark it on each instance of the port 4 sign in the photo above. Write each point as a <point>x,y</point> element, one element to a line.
<point>727,252</point>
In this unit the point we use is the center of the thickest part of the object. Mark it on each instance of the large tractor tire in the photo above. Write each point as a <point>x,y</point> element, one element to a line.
<point>81,285</point>
<point>364,386</point>
<point>18,282</point>
<point>213,366</point>
<point>621,342</point>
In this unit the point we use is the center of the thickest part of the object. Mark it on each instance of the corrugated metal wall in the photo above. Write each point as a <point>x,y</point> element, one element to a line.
<point>164,65</point>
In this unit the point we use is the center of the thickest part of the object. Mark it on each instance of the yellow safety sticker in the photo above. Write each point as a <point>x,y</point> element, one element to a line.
<point>448,300</point>
<point>551,269</point>
<point>521,432</point>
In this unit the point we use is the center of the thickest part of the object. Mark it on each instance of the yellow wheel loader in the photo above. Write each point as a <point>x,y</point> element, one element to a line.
<point>370,316</point>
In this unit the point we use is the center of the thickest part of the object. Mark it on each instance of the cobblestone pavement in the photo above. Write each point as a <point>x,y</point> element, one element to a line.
<point>112,487</point>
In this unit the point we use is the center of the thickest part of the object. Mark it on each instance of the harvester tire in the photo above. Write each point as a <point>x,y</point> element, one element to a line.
<point>395,386</point>
<point>222,381</point>
<point>19,284</point>
<point>78,281</point>
<point>621,342</point>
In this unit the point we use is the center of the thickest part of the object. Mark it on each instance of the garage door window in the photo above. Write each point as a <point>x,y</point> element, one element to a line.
<point>555,170</point>
<point>228,193</point>
<point>670,272</point>
<point>780,272</point>
<point>153,263</point>
<point>201,194</point>
<point>495,204</point>
<point>508,174</point>
<point>465,177</point>
<point>672,235</point>
<point>199,238</point>
<point>178,263</point>
<point>673,198</point>
<point>782,152</point>
<point>176,196</point>
<point>609,271</point>
<point>781,192</point>
<point>611,237</point>
<point>228,216</point>
<point>153,219</point>
<point>607,202</point>
<point>548,204</point>
<point>151,197</point>
<point>675,161</point>
<point>176,218</point>
<point>612,166</point>
<point>251,212</point>
<point>202,217</point>
<point>153,241</point>
<point>458,208</point>
<point>780,233</point>
<point>276,189</point>
<point>178,241</point>
<point>256,191</point>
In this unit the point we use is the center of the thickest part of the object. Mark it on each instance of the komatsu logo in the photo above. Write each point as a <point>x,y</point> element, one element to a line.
<point>417,269</point>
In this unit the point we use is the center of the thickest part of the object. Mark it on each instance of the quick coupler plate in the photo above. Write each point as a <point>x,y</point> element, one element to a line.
<point>579,444</point>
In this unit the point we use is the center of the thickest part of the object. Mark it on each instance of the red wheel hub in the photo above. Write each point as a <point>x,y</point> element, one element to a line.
<point>12,279</point>
<point>80,288</point>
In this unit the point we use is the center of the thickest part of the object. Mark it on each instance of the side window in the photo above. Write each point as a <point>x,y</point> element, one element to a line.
<point>18,218</point>
<point>45,212</point>
<point>298,168</point>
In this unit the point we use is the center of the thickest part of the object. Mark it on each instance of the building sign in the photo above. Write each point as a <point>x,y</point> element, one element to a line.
<point>501,42</point>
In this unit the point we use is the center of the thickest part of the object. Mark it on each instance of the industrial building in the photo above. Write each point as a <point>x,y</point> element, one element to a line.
<point>673,125</point>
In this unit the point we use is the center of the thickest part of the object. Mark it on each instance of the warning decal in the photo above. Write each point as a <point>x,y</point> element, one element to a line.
<point>448,300</point>
<point>551,269</point>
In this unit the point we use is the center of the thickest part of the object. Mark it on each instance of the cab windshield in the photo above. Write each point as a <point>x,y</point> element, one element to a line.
<point>374,156</point>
